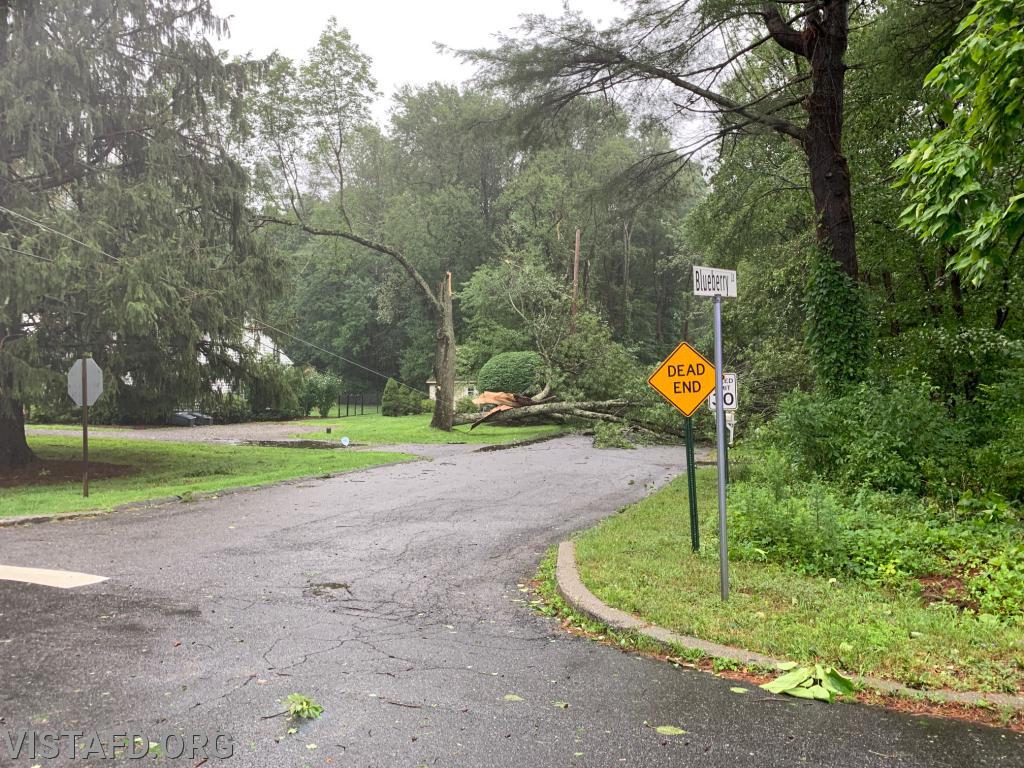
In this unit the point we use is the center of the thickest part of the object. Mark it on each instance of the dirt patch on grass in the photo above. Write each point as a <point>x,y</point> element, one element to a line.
<point>56,472</point>
<point>947,589</point>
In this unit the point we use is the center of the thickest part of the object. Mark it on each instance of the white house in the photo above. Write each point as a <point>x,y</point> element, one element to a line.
<point>463,388</point>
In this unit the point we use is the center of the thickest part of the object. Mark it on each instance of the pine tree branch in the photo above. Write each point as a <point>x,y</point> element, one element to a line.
<point>617,58</point>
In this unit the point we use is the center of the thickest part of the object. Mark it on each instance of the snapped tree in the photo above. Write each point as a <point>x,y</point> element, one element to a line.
<point>308,118</point>
<point>114,130</point>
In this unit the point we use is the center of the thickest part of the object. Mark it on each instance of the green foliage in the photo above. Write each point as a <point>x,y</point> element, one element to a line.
<point>516,372</point>
<point>964,183</point>
<point>273,390</point>
<point>640,561</point>
<point>303,707</point>
<point>229,408</point>
<point>997,582</point>
<point>321,390</point>
<point>140,168</point>
<point>466,405</point>
<point>400,400</point>
<point>608,435</point>
<point>817,528</point>
<point>590,364</point>
<point>817,682</point>
<point>886,435</point>
<point>837,325</point>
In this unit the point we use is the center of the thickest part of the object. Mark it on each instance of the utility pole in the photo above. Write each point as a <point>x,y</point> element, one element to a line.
<point>575,281</point>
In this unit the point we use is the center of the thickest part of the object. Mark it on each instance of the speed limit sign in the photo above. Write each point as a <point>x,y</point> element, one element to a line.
<point>729,400</point>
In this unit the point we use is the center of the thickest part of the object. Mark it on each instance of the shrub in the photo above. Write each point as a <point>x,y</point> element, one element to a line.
<point>998,466</point>
<point>227,408</point>
<point>896,437</point>
<point>327,389</point>
<point>998,583</point>
<point>308,392</point>
<point>400,400</point>
<point>466,405</point>
<point>273,389</point>
<point>516,372</point>
<point>818,528</point>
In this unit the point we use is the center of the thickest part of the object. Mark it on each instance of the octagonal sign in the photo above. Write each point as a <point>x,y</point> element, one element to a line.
<point>93,382</point>
<point>685,379</point>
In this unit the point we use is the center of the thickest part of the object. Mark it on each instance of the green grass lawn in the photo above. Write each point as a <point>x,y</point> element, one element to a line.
<point>172,469</point>
<point>374,429</point>
<point>641,561</point>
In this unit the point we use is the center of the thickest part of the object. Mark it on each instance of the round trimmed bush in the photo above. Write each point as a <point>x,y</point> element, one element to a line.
<point>516,372</point>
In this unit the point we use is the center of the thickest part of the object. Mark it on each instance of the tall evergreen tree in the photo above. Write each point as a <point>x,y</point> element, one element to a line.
<point>116,118</point>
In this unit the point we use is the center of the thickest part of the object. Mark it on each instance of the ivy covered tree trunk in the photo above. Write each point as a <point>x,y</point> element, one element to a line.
<point>837,335</point>
<point>444,359</point>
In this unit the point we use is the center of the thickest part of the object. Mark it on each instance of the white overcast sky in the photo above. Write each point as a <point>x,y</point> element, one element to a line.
<point>399,35</point>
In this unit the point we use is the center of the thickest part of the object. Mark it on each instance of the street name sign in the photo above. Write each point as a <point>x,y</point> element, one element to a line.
<point>685,379</point>
<point>90,383</point>
<point>708,281</point>
<point>729,399</point>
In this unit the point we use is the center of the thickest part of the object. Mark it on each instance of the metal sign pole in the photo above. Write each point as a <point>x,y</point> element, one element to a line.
<point>85,427</point>
<point>691,486</point>
<point>723,541</point>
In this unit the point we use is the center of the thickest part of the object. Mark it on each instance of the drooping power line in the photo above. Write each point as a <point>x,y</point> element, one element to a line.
<point>99,250</point>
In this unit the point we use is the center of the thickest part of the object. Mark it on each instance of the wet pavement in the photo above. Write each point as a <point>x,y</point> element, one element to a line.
<point>391,597</point>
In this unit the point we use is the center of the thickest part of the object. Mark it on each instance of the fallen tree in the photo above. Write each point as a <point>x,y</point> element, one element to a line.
<point>582,409</point>
<point>611,411</point>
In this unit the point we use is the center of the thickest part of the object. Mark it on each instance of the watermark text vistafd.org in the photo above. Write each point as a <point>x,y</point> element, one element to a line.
<point>30,744</point>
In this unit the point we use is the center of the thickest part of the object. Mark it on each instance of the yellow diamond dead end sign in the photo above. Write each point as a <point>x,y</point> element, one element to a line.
<point>685,379</point>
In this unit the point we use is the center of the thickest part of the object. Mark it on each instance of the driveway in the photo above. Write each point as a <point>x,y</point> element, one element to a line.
<point>215,433</point>
<point>392,597</point>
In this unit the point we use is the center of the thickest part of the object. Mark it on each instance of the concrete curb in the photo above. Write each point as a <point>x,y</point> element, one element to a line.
<point>575,592</point>
<point>163,501</point>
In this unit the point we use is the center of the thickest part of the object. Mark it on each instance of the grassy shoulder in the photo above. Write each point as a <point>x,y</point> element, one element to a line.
<point>374,429</point>
<point>640,561</point>
<point>171,469</point>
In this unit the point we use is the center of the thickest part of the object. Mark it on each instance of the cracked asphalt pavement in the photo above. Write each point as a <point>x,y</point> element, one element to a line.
<point>390,596</point>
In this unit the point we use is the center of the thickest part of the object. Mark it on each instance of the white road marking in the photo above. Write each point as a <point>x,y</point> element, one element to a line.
<point>47,577</point>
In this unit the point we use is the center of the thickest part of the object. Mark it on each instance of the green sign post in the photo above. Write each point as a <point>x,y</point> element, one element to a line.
<point>691,486</point>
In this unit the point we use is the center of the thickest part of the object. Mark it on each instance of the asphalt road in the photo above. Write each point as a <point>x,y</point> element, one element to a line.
<point>390,596</point>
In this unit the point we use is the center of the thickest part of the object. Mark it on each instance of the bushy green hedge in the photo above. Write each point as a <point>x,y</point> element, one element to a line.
<point>320,391</point>
<point>400,400</point>
<point>273,390</point>
<point>516,372</point>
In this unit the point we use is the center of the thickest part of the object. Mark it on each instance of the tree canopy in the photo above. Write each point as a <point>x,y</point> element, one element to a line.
<point>122,227</point>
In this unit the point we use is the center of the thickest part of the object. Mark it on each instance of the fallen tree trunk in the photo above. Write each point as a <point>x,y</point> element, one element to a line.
<point>631,423</point>
<point>543,409</point>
